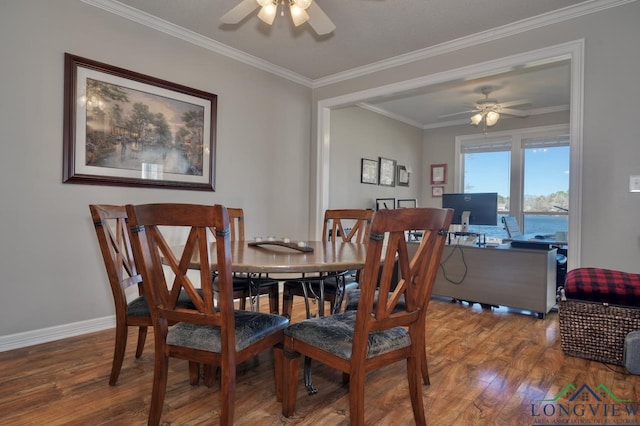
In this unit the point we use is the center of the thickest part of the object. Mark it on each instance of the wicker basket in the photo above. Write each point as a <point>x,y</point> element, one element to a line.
<point>594,330</point>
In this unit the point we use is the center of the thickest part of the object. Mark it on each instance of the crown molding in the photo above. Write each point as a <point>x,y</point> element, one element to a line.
<point>189,36</point>
<point>560,15</point>
<point>417,124</point>
<point>389,114</point>
<point>549,18</point>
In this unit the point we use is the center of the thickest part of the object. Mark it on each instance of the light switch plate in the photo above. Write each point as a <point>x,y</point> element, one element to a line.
<point>634,183</point>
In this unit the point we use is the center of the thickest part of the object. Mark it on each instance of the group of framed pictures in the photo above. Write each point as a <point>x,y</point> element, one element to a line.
<point>386,172</point>
<point>383,171</point>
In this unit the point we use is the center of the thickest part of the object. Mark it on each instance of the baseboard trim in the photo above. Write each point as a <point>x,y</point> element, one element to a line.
<point>49,334</point>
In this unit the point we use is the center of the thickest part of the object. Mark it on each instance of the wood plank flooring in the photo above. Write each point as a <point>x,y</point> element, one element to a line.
<point>487,367</point>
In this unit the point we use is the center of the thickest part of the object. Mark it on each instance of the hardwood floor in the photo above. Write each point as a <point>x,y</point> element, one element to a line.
<point>487,367</point>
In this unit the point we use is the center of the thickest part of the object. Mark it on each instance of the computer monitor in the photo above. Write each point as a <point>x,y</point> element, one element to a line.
<point>472,208</point>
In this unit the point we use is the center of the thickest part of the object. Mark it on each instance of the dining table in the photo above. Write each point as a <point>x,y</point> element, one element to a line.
<point>306,260</point>
<point>302,261</point>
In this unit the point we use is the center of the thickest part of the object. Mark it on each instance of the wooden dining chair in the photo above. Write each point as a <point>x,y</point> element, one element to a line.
<point>346,225</point>
<point>111,228</point>
<point>213,332</point>
<point>376,334</point>
<point>110,223</point>
<point>250,286</point>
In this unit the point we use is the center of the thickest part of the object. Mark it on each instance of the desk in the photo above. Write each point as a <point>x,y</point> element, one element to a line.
<point>530,241</point>
<point>506,276</point>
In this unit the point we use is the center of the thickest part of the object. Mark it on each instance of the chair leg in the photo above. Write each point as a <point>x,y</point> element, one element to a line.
<point>278,360</point>
<point>287,301</point>
<point>415,390</point>
<point>209,374</point>
<point>194,373</point>
<point>291,367</point>
<point>227,392</point>
<point>424,368</point>
<point>118,352</point>
<point>274,302</point>
<point>161,368</point>
<point>142,338</point>
<point>356,398</point>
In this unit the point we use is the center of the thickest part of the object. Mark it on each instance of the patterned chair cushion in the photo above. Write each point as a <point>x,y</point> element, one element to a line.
<point>138,307</point>
<point>334,333</point>
<point>250,327</point>
<point>353,298</point>
<point>604,286</point>
<point>241,283</point>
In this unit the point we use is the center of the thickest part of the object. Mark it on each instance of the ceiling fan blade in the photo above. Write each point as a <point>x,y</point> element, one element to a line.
<point>319,20</point>
<point>241,11</point>
<point>514,103</point>
<point>514,112</point>
<point>458,113</point>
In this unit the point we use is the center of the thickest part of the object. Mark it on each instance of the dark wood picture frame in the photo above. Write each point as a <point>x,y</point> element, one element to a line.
<point>403,176</point>
<point>387,176</point>
<point>129,129</point>
<point>438,174</point>
<point>369,171</point>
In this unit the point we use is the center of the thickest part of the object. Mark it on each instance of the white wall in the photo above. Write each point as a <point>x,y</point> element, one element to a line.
<point>357,133</point>
<point>611,137</point>
<point>51,267</point>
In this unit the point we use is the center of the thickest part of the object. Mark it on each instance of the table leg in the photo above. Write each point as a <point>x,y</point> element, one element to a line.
<point>307,377</point>
<point>254,294</point>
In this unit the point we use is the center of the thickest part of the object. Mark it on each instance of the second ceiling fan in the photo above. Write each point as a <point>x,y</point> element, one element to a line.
<point>301,11</point>
<point>488,110</point>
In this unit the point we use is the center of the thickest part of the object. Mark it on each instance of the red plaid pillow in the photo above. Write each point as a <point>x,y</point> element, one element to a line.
<point>603,285</point>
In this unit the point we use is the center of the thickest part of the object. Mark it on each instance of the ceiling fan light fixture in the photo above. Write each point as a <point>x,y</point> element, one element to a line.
<point>302,4</point>
<point>264,3</point>
<point>476,119</point>
<point>298,14</point>
<point>492,118</point>
<point>268,13</point>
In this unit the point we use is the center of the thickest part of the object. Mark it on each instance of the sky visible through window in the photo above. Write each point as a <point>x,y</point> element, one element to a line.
<point>489,171</point>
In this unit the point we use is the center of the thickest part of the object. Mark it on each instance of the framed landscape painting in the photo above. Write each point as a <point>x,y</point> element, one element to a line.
<point>129,129</point>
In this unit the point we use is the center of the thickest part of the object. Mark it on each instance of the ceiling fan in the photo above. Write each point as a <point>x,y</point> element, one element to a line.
<point>488,110</point>
<point>301,11</point>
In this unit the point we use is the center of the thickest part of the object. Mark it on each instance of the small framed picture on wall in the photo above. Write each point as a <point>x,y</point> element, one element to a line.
<point>387,175</point>
<point>438,174</point>
<point>437,191</point>
<point>403,176</point>
<point>369,171</point>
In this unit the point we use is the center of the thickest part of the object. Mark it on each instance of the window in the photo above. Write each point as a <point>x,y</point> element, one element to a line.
<point>546,185</point>
<point>529,170</point>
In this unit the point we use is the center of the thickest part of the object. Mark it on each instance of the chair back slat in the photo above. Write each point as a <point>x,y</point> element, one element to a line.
<point>115,245</point>
<point>357,221</point>
<point>156,254</point>
<point>236,223</point>
<point>415,278</point>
